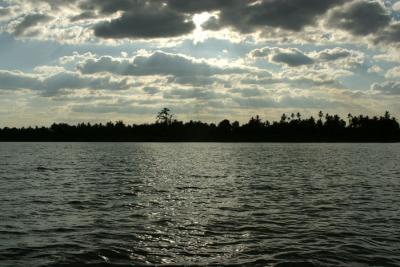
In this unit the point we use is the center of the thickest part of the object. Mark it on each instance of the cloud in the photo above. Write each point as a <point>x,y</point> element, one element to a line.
<point>192,93</point>
<point>375,69</point>
<point>12,80</point>
<point>185,69</point>
<point>59,82</point>
<point>393,73</point>
<point>359,17</point>
<point>388,88</point>
<point>292,57</point>
<point>151,90</point>
<point>73,81</point>
<point>288,102</point>
<point>334,54</point>
<point>81,20</point>
<point>291,15</point>
<point>30,21</point>
<point>196,6</point>
<point>119,108</point>
<point>389,35</point>
<point>5,12</point>
<point>146,22</point>
<point>197,80</point>
<point>396,6</point>
<point>341,57</point>
<point>109,7</point>
<point>247,92</point>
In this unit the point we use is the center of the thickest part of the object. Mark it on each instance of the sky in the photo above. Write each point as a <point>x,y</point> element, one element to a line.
<point>100,60</point>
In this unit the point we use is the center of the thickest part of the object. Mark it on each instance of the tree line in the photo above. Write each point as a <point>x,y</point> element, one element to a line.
<point>290,128</point>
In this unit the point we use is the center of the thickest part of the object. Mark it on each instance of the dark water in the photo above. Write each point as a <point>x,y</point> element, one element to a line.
<point>199,204</point>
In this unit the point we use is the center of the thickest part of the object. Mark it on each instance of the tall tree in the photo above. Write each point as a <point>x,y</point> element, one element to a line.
<point>165,116</point>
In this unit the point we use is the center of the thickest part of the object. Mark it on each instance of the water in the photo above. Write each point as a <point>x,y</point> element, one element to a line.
<point>199,204</point>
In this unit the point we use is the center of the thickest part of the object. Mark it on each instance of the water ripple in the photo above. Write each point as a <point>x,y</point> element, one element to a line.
<point>199,204</point>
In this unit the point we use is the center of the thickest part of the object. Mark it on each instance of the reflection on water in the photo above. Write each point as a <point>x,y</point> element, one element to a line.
<point>199,204</point>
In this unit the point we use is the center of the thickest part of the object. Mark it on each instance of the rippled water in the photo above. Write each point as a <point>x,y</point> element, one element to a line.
<point>199,204</point>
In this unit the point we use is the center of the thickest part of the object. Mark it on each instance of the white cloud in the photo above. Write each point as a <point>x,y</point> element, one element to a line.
<point>393,73</point>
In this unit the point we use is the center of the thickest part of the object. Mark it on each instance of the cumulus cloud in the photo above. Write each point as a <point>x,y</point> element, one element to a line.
<point>184,69</point>
<point>345,58</point>
<point>151,90</point>
<point>30,21</point>
<point>196,6</point>
<point>359,17</point>
<point>57,83</point>
<point>146,21</point>
<point>388,88</point>
<point>318,48</point>
<point>396,6</point>
<point>5,12</point>
<point>292,57</point>
<point>393,73</point>
<point>334,54</point>
<point>389,35</point>
<point>291,15</point>
<point>192,93</point>
<point>12,80</point>
<point>150,19</point>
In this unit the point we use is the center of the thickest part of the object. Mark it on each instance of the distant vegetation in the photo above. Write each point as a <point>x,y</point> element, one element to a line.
<point>290,128</point>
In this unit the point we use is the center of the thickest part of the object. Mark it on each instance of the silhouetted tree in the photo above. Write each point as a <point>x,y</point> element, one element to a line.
<point>165,116</point>
<point>283,118</point>
<point>333,129</point>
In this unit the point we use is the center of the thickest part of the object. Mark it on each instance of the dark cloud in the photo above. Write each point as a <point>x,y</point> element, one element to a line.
<point>334,54</point>
<point>348,58</point>
<point>291,57</point>
<point>83,16</point>
<point>170,18</point>
<point>72,81</point>
<point>388,88</point>
<point>360,17</point>
<point>151,90</point>
<point>29,21</point>
<point>196,6</point>
<point>16,80</point>
<point>183,6</point>
<point>5,11</point>
<point>286,14</point>
<point>389,35</point>
<point>146,21</point>
<point>55,84</point>
<point>56,4</point>
<point>109,7</point>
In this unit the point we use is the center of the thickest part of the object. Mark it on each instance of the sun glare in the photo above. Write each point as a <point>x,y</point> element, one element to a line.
<point>199,19</point>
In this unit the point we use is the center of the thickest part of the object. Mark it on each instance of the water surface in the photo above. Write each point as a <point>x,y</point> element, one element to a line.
<point>129,204</point>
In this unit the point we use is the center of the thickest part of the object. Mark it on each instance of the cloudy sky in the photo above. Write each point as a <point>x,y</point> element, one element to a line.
<point>99,60</point>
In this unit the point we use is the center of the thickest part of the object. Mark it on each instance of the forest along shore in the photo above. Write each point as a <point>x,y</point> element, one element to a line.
<point>290,128</point>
